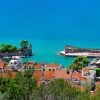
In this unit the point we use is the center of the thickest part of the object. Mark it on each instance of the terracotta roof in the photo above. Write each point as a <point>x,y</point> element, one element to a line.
<point>78,76</point>
<point>86,69</point>
<point>38,66</point>
<point>48,75</point>
<point>2,64</point>
<point>83,79</point>
<point>38,75</point>
<point>30,63</point>
<point>53,65</point>
<point>62,74</point>
<point>6,68</point>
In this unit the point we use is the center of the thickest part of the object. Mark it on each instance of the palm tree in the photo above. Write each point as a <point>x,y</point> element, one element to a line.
<point>24,44</point>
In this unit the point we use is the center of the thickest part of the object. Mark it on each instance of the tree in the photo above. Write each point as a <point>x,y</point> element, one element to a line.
<point>19,88</point>
<point>25,88</point>
<point>24,44</point>
<point>8,48</point>
<point>59,89</point>
<point>79,63</point>
<point>14,49</point>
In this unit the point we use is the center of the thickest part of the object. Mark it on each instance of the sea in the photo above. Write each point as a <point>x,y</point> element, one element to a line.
<point>49,25</point>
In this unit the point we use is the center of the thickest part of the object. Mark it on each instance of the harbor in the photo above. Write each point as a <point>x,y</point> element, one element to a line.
<point>76,51</point>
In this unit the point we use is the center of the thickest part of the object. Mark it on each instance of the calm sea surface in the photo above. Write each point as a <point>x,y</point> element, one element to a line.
<point>49,25</point>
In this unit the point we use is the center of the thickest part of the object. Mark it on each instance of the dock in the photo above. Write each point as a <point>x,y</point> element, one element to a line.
<point>72,51</point>
<point>85,54</point>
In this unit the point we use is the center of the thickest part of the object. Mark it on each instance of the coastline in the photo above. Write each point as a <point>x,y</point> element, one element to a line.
<point>85,54</point>
<point>46,50</point>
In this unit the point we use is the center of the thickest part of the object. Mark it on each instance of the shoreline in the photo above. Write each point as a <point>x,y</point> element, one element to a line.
<point>85,54</point>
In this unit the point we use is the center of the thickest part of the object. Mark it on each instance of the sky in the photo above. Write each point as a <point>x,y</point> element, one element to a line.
<point>50,18</point>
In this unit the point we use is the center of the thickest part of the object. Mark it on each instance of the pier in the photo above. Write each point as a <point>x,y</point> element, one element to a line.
<point>76,51</point>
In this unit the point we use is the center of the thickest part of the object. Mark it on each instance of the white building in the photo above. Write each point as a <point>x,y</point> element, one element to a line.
<point>95,63</point>
<point>89,74</point>
<point>16,62</point>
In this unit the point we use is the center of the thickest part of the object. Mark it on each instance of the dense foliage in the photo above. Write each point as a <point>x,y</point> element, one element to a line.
<point>24,44</point>
<point>8,48</point>
<point>79,63</point>
<point>24,87</point>
<point>12,48</point>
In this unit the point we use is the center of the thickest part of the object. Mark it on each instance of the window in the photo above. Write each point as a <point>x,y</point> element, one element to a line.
<point>43,69</point>
<point>29,67</point>
<point>15,63</point>
<point>11,63</point>
<point>53,69</point>
<point>86,74</point>
<point>25,67</point>
<point>49,69</point>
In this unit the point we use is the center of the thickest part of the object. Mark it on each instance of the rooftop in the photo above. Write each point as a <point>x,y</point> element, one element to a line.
<point>30,63</point>
<point>53,65</point>
<point>2,64</point>
<point>48,75</point>
<point>61,74</point>
<point>38,66</point>
<point>86,69</point>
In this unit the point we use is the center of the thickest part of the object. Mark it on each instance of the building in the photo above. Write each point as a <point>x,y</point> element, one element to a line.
<point>33,65</point>
<point>76,51</point>
<point>95,63</point>
<point>15,63</point>
<point>2,65</point>
<point>39,67</point>
<point>89,74</point>
<point>53,67</point>
<point>28,65</point>
<point>62,74</point>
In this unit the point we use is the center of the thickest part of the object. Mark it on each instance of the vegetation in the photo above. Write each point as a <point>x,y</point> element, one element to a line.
<point>24,87</point>
<point>12,48</point>
<point>98,72</point>
<point>8,48</point>
<point>79,63</point>
<point>24,44</point>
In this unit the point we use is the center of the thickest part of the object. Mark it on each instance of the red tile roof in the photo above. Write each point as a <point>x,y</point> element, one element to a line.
<point>86,69</point>
<point>38,66</point>
<point>2,64</point>
<point>30,63</point>
<point>6,68</point>
<point>53,65</point>
<point>78,76</point>
<point>48,75</point>
<point>62,74</point>
<point>38,75</point>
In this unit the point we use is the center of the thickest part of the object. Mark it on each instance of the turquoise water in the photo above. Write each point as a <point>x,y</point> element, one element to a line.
<point>49,25</point>
<point>46,50</point>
